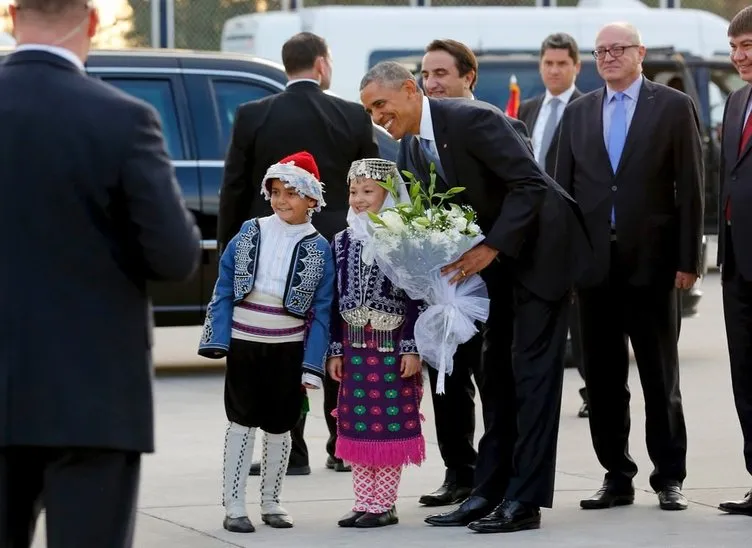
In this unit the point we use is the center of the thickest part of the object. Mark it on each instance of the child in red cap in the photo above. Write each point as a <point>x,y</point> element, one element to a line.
<point>269,315</point>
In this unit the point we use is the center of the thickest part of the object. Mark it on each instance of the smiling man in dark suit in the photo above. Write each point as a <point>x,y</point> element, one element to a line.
<point>524,260</point>
<point>631,156</point>
<point>92,212</point>
<point>735,237</point>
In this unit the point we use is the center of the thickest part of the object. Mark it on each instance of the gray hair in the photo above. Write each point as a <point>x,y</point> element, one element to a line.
<point>387,73</point>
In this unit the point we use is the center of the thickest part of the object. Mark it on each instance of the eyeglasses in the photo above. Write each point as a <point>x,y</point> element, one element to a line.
<point>615,51</point>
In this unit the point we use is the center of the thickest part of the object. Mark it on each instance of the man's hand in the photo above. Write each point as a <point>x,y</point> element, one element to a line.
<point>410,365</point>
<point>471,262</point>
<point>685,280</point>
<point>334,367</point>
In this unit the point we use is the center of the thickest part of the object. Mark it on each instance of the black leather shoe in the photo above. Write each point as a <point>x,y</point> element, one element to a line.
<point>291,470</point>
<point>368,520</point>
<point>448,493</point>
<point>238,525</point>
<point>349,519</point>
<point>607,497</point>
<point>671,498</point>
<point>278,521</point>
<point>337,465</point>
<point>743,506</point>
<point>509,516</point>
<point>471,509</point>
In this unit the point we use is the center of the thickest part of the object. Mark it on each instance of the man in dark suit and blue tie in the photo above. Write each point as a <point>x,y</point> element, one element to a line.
<point>90,197</point>
<point>735,237</point>
<point>630,154</point>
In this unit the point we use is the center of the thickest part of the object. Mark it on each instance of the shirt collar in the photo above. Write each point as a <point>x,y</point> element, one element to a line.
<point>426,123</point>
<point>633,91</point>
<point>564,96</point>
<point>291,82</point>
<point>66,54</point>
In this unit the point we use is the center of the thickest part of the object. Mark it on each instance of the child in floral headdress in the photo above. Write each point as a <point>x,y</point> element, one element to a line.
<point>374,357</point>
<point>269,315</point>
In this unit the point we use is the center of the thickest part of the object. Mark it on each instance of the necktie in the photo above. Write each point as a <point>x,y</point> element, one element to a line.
<point>431,156</point>
<point>617,136</point>
<point>549,129</point>
<point>746,134</point>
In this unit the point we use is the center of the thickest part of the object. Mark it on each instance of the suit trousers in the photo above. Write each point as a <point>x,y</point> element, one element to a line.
<point>517,453</point>
<point>454,411</point>
<point>299,453</point>
<point>737,311</point>
<point>89,495</point>
<point>613,313</point>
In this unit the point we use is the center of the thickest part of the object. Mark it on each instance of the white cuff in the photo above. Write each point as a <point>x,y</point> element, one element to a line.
<point>313,380</point>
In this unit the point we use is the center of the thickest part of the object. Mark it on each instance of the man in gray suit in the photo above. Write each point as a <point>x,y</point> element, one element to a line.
<point>89,195</point>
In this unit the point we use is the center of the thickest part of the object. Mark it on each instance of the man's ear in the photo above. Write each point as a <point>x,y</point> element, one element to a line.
<point>91,30</point>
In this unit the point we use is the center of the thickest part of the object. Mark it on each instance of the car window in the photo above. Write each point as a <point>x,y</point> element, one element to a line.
<point>229,95</point>
<point>158,93</point>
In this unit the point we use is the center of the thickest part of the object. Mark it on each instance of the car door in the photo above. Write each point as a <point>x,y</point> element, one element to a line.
<point>174,303</point>
<point>214,96</point>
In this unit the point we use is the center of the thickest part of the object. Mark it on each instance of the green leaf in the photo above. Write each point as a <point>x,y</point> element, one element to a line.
<point>414,190</point>
<point>454,190</point>
<point>418,206</point>
<point>376,219</point>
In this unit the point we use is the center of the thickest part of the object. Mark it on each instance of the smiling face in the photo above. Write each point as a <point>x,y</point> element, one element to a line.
<point>287,204</point>
<point>619,56</point>
<point>441,76</point>
<point>396,109</point>
<point>741,55</point>
<point>366,195</point>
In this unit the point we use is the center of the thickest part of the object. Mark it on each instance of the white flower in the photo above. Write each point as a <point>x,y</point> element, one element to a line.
<point>459,223</point>
<point>473,229</point>
<point>393,222</point>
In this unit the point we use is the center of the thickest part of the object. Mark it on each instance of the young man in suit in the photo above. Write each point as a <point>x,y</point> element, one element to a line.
<point>524,260</point>
<point>95,212</point>
<point>336,132</point>
<point>631,156</point>
<point>559,67</point>
<point>735,235</point>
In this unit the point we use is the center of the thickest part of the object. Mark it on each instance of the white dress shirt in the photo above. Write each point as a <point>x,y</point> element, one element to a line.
<point>66,54</point>
<point>545,112</point>
<point>631,95</point>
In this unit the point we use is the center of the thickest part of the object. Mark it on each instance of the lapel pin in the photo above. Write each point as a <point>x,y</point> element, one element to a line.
<point>444,145</point>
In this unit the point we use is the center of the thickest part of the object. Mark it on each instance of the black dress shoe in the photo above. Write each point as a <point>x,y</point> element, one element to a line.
<point>349,519</point>
<point>333,463</point>
<point>671,498</point>
<point>607,497</point>
<point>238,525</point>
<point>448,493</point>
<point>743,506</point>
<point>509,516</point>
<point>471,509</point>
<point>368,520</point>
<point>291,470</point>
<point>278,521</point>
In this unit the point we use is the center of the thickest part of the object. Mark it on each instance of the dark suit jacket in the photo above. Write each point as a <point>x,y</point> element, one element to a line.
<point>523,213</point>
<point>91,211</point>
<point>335,131</point>
<point>529,111</point>
<point>736,183</point>
<point>659,202</point>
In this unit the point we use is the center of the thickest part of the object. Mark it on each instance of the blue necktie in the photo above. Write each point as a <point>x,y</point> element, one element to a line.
<point>617,136</point>
<point>430,156</point>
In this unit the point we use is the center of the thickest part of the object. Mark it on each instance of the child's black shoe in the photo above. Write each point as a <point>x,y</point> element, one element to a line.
<point>238,525</point>
<point>349,519</point>
<point>378,520</point>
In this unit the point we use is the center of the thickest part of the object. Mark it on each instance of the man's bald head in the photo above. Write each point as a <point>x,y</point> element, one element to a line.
<point>619,53</point>
<point>621,28</point>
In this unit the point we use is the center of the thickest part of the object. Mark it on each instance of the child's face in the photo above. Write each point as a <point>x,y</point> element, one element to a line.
<point>287,204</point>
<point>366,195</point>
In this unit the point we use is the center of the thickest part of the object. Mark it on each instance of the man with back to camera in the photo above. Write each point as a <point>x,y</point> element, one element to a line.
<point>336,132</point>
<point>630,154</point>
<point>90,197</point>
<point>559,66</point>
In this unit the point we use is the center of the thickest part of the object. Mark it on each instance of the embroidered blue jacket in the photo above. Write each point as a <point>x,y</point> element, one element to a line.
<point>308,293</point>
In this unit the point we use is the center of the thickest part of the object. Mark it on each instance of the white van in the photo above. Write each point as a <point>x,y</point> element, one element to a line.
<point>360,37</point>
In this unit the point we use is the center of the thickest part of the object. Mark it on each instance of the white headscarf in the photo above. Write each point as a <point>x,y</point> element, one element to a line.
<point>360,224</point>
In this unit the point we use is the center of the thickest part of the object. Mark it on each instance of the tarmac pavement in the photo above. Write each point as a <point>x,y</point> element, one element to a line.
<point>181,484</point>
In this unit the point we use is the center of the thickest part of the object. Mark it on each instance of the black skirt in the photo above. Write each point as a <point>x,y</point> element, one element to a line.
<point>263,385</point>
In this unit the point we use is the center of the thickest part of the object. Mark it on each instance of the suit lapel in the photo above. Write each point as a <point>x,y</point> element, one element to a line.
<point>737,127</point>
<point>441,133</point>
<point>640,120</point>
<point>534,113</point>
<point>597,108</point>
<point>418,165</point>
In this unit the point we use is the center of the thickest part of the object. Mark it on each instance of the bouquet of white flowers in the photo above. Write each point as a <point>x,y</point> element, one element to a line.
<point>412,242</point>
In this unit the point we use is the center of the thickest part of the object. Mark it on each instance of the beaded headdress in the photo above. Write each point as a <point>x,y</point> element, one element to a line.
<point>373,168</point>
<point>298,171</point>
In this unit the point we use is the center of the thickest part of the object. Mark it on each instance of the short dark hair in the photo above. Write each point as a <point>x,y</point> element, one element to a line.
<point>50,7</point>
<point>300,52</point>
<point>561,40</point>
<point>464,58</point>
<point>741,23</point>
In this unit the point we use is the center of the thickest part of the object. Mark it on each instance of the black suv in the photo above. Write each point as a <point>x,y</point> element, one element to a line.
<point>196,95</point>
